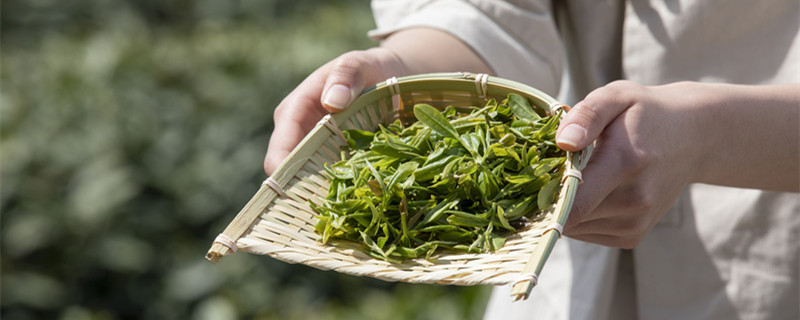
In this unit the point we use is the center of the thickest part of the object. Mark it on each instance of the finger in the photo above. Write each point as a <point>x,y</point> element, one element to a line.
<point>628,223</point>
<point>599,179</point>
<point>624,198</point>
<point>323,92</point>
<point>624,229</point>
<point>614,161</point>
<point>294,117</point>
<point>354,71</point>
<point>584,123</point>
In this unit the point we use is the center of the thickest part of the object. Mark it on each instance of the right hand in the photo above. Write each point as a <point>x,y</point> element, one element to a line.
<point>331,88</point>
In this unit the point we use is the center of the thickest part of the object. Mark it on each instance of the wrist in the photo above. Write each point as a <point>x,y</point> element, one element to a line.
<point>389,62</point>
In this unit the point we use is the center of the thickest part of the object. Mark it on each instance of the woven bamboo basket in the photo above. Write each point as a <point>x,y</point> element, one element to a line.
<point>278,221</point>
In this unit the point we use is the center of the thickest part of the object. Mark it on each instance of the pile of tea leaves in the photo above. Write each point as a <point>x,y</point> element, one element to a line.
<point>455,179</point>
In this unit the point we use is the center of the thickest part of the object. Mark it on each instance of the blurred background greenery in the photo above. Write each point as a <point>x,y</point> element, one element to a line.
<point>133,131</point>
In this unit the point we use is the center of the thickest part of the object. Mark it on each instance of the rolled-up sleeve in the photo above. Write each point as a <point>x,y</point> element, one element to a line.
<point>519,40</point>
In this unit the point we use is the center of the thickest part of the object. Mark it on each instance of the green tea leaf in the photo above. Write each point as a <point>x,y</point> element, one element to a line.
<point>358,139</point>
<point>521,107</point>
<point>548,194</point>
<point>435,120</point>
<point>496,242</point>
<point>403,171</point>
<point>430,170</point>
<point>501,216</point>
<point>464,219</point>
<point>458,179</point>
<point>439,210</point>
<point>519,208</point>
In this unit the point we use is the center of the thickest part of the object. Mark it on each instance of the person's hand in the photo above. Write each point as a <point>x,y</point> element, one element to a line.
<point>653,141</point>
<point>640,165</point>
<point>335,85</point>
<point>331,88</point>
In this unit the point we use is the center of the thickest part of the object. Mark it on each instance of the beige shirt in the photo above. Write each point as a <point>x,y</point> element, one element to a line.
<point>719,253</point>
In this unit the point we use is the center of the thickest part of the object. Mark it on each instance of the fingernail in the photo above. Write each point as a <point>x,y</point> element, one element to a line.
<point>337,96</point>
<point>572,135</point>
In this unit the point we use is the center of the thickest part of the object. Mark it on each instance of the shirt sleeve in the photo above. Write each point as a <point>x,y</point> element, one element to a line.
<point>518,39</point>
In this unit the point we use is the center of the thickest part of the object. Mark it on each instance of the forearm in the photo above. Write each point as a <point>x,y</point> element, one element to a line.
<point>751,136</point>
<point>424,50</point>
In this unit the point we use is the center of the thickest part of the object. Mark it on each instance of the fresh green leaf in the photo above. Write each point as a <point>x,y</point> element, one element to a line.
<point>435,120</point>
<point>358,139</point>
<point>458,179</point>
<point>521,107</point>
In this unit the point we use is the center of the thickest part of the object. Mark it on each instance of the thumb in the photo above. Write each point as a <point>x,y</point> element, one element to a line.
<point>352,72</point>
<point>587,120</point>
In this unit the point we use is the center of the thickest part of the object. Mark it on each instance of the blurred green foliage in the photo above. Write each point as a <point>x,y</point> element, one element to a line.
<point>132,132</point>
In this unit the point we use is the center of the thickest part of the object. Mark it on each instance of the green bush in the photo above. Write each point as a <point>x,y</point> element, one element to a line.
<point>132,132</point>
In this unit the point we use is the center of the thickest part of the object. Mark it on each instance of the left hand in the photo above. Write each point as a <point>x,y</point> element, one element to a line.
<point>643,160</point>
<point>653,141</point>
